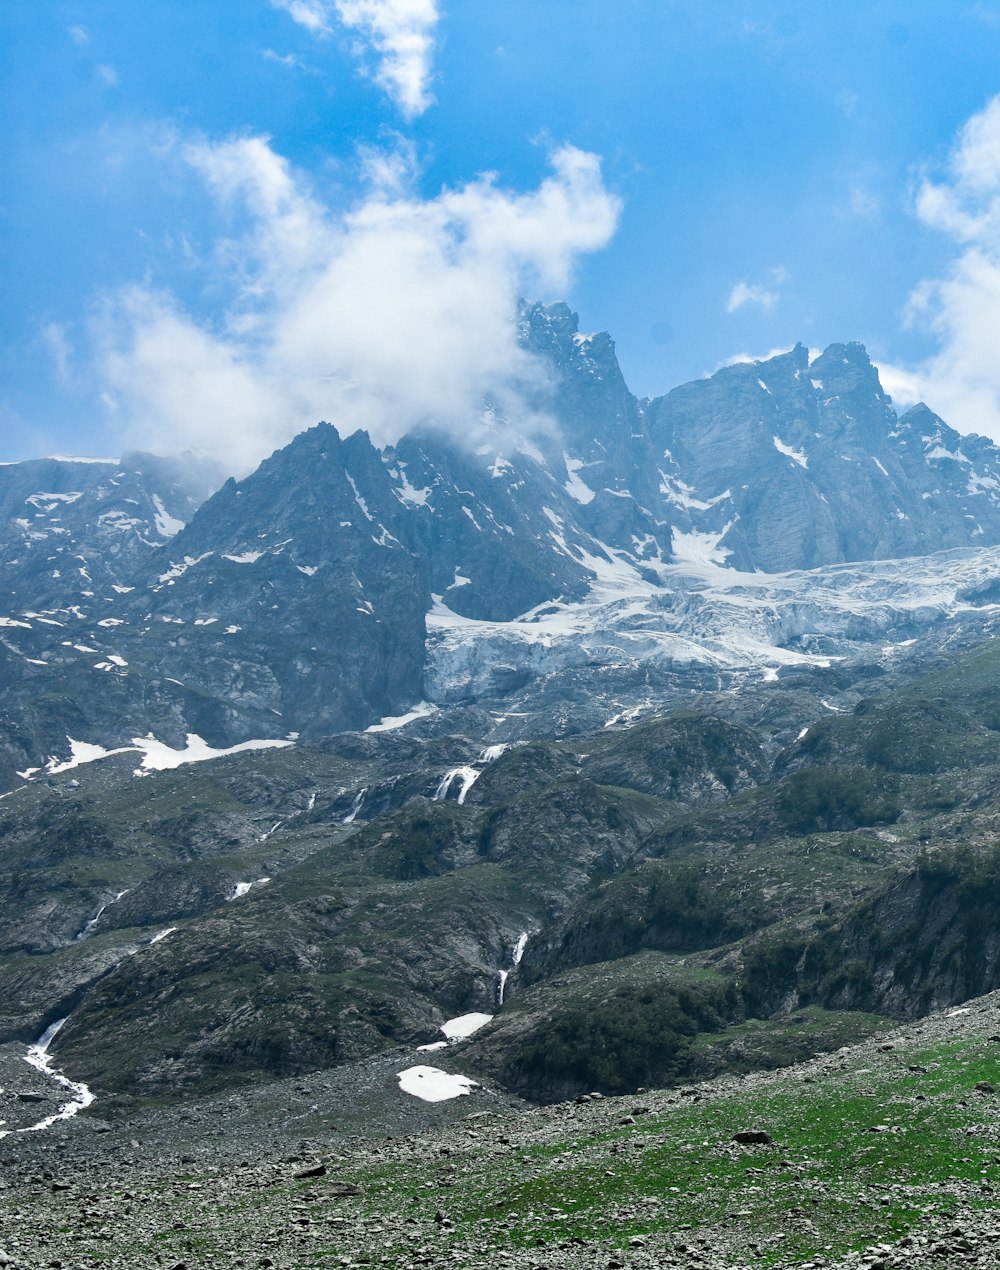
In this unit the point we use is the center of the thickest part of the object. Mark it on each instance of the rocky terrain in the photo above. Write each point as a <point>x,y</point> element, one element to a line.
<point>739,884</point>
<point>882,1154</point>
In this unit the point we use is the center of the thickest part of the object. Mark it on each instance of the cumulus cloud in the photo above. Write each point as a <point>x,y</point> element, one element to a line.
<point>961,309</point>
<point>400,34</point>
<point>399,312</point>
<point>765,295</point>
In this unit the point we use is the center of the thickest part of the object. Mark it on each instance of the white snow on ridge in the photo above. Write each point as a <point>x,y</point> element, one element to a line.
<point>357,497</point>
<point>798,456</point>
<point>245,557</point>
<point>682,495</point>
<point>407,493</point>
<point>49,502</point>
<point>938,453</point>
<point>156,756</point>
<point>178,570</point>
<point>699,549</point>
<point>393,721</point>
<point>433,1085</point>
<point>575,487</point>
<point>70,458</point>
<point>166,524</point>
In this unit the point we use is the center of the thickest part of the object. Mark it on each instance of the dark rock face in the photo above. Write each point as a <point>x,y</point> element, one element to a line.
<point>816,467</point>
<point>294,595</point>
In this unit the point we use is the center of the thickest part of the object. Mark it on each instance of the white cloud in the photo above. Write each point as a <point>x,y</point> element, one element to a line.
<point>961,309</point>
<point>400,33</point>
<point>78,34</point>
<point>764,295</point>
<point>398,312</point>
<point>744,293</point>
<point>108,75</point>
<point>903,386</point>
<point>312,14</point>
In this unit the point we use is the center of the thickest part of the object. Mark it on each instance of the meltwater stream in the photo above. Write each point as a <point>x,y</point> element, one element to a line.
<point>38,1058</point>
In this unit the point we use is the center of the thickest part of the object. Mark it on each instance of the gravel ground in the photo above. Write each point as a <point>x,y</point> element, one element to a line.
<point>342,1169</point>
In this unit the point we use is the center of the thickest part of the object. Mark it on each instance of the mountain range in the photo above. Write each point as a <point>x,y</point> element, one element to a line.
<point>664,731</point>
<point>340,583</point>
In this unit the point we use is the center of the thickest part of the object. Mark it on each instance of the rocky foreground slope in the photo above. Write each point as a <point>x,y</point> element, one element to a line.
<point>881,1155</point>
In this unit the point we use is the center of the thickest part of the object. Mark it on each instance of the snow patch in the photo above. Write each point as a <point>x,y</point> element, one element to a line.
<point>797,456</point>
<point>939,452</point>
<point>433,1085</point>
<point>464,1026</point>
<point>699,549</point>
<point>575,487</point>
<point>393,721</point>
<point>245,557</point>
<point>156,756</point>
<point>357,497</point>
<point>166,524</point>
<point>49,502</point>
<point>407,493</point>
<point>682,495</point>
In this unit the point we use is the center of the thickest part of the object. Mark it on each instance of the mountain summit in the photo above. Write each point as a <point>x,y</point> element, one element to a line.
<point>298,599</point>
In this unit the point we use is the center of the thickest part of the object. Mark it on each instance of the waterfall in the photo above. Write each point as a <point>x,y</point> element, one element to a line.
<point>467,776</point>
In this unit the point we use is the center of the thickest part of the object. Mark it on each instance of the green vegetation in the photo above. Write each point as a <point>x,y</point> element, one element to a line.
<point>867,1148</point>
<point>819,799</point>
<point>636,1036</point>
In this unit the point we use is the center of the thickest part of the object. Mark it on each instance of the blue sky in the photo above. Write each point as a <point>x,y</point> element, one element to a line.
<point>219,221</point>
